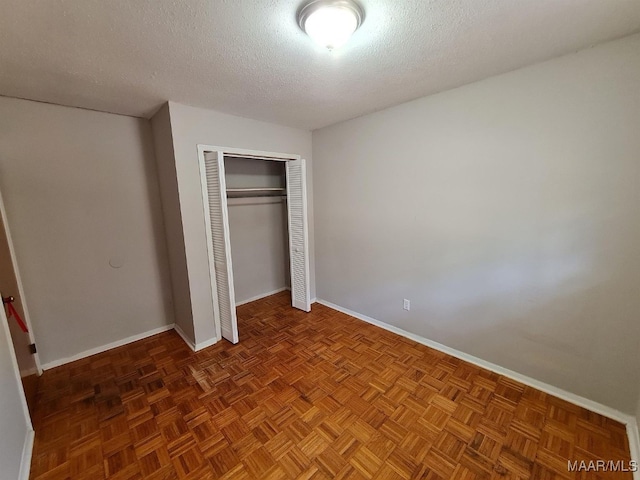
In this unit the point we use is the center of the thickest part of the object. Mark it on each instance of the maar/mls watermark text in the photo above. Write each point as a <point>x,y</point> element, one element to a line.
<point>602,466</point>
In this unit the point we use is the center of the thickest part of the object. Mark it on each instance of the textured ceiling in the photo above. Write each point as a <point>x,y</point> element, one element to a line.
<point>249,58</point>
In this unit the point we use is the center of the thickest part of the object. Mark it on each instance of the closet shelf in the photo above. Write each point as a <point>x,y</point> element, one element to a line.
<point>256,192</point>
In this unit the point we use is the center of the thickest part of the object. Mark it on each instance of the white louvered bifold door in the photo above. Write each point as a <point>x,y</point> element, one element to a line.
<point>298,234</point>
<point>217,221</point>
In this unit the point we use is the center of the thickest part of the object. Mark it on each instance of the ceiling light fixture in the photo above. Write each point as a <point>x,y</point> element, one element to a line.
<point>330,23</point>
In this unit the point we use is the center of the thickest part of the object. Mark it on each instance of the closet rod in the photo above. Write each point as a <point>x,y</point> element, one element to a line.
<point>279,195</point>
<point>257,189</point>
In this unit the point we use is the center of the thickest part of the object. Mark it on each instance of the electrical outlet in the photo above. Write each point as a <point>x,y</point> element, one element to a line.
<point>406,305</point>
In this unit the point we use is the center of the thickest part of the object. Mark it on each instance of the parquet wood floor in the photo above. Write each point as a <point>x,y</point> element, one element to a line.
<point>310,396</point>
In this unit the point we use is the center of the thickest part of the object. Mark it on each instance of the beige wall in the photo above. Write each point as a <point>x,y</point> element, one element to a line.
<point>507,211</point>
<point>166,167</point>
<point>9,287</point>
<point>259,246</point>
<point>80,190</point>
<point>638,414</point>
<point>191,126</point>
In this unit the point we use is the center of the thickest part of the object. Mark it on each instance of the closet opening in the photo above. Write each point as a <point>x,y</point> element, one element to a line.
<point>258,227</point>
<point>257,233</point>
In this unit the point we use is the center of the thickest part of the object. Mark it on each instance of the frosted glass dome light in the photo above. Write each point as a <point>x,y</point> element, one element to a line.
<point>330,23</point>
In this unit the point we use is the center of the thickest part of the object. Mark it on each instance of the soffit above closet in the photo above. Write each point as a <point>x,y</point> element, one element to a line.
<point>251,173</point>
<point>250,58</point>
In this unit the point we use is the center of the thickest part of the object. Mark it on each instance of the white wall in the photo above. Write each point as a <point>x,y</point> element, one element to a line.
<point>166,167</point>
<point>191,126</point>
<point>14,424</point>
<point>9,286</point>
<point>258,226</point>
<point>80,190</point>
<point>638,414</point>
<point>506,211</point>
<point>259,246</point>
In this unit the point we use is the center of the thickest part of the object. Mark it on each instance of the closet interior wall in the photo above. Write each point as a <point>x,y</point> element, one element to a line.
<point>258,228</point>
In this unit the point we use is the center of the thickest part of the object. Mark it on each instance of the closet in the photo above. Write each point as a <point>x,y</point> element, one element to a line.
<point>256,202</point>
<point>256,213</point>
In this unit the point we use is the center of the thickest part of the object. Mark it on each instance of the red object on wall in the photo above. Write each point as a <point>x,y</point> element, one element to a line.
<point>14,314</point>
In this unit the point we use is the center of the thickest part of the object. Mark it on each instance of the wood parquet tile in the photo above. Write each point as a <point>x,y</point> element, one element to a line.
<point>306,396</point>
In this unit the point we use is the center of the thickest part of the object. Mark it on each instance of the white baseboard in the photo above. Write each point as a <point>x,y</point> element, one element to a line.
<point>28,372</point>
<point>184,337</point>
<point>27,451</point>
<point>262,295</point>
<point>634,444</point>
<point>104,348</point>
<point>205,344</point>
<point>194,346</point>
<point>125,341</point>
<point>544,387</point>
